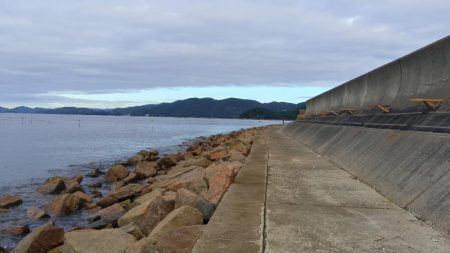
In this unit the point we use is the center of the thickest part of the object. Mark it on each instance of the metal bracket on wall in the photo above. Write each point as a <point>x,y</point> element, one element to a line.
<point>431,103</point>
<point>348,111</point>
<point>384,108</point>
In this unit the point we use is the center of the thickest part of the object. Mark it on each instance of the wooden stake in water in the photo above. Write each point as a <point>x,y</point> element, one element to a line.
<point>79,123</point>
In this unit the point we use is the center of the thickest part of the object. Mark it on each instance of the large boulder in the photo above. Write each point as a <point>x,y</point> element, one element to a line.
<point>138,213</point>
<point>64,205</point>
<point>97,241</point>
<point>41,240</point>
<point>218,154</point>
<point>146,169</point>
<point>192,180</point>
<point>156,211</point>
<point>116,173</point>
<point>132,178</point>
<point>220,176</point>
<point>135,160</point>
<point>107,201</point>
<point>95,173</point>
<point>73,186</point>
<point>36,213</point>
<point>9,201</point>
<point>200,161</point>
<point>53,185</point>
<point>106,216</point>
<point>127,191</point>
<point>183,216</point>
<point>134,230</point>
<point>187,198</point>
<point>167,162</point>
<point>17,230</point>
<point>148,196</point>
<point>238,145</point>
<point>179,240</point>
<point>234,155</point>
<point>86,198</point>
<point>145,245</point>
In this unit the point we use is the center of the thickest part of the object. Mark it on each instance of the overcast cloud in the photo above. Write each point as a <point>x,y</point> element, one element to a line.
<point>111,46</point>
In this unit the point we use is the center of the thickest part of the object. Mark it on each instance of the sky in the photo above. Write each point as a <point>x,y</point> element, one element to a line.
<point>116,53</point>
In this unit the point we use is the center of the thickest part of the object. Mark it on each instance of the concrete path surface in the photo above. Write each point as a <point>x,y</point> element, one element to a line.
<point>289,199</point>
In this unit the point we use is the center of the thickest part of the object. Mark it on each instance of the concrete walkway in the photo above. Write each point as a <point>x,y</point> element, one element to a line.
<point>289,199</point>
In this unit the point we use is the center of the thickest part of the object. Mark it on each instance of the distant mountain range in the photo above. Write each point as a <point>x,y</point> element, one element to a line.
<point>192,107</point>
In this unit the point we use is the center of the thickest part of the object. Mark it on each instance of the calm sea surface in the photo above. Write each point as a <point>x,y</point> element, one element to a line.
<point>33,147</point>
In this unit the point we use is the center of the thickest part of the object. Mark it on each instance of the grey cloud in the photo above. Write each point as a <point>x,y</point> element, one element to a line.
<point>108,45</point>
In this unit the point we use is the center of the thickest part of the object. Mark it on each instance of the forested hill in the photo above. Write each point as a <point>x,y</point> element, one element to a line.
<point>192,107</point>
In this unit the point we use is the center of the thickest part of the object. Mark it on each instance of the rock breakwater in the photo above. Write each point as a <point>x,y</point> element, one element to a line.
<point>152,201</point>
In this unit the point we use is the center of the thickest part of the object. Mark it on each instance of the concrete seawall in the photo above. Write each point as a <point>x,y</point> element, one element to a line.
<point>410,168</point>
<point>422,74</point>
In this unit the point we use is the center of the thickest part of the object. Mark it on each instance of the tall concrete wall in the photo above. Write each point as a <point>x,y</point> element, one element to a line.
<point>421,74</point>
<point>410,168</point>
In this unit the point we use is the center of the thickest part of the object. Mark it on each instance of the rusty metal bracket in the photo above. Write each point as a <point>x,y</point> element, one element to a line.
<point>384,108</point>
<point>348,111</point>
<point>431,103</point>
<point>301,114</point>
<point>334,113</point>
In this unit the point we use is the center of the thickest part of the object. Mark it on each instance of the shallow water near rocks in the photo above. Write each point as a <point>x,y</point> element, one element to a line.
<point>34,147</point>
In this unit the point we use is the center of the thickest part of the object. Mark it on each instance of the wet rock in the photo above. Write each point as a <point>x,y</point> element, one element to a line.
<point>95,185</point>
<point>107,201</point>
<point>166,162</point>
<point>2,250</point>
<point>64,205</point>
<point>132,178</point>
<point>96,194</point>
<point>41,240</point>
<point>145,245</point>
<point>98,241</point>
<point>77,179</point>
<point>179,240</point>
<point>106,216</point>
<point>73,186</point>
<point>116,185</point>
<point>90,206</point>
<point>220,176</point>
<point>95,173</point>
<point>156,211</point>
<point>183,216</point>
<point>135,159</point>
<point>36,213</point>
<point>86,198</point>
<point>8,201</point>
<point>187,198</point>
<point>149,152</point>
<point>127,191</point>
<point>17,230</point>
<point>3,210</point>
<point>116,173</point>
<point>146,169</point>
<point>52,185</point>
